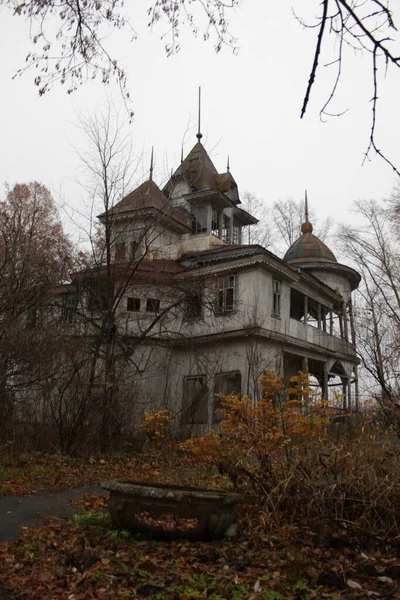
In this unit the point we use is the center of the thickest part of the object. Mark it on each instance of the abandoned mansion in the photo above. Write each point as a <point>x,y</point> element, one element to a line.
<point>197,313</point>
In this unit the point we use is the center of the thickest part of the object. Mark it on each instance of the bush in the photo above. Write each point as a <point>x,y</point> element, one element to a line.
<point>284,449</point>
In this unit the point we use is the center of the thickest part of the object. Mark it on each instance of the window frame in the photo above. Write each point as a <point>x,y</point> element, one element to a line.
<point>217,400</point>
<point>276,311</point>
<point>195,420</point>
<point>225,305</point>
<point>136,301</point>
<point>156,304</point>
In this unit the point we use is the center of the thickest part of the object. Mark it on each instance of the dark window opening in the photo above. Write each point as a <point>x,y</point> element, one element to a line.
<point>195,400</point>
<point>133,304</point>
<point>69,305</point>
<point>194,304</point>
<point>225,384</point>
<point>98,298</point>
<point>152,305</point>
<point>296,305</point>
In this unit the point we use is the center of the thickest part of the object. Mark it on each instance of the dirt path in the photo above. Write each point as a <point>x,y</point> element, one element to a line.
<point>25,511</point>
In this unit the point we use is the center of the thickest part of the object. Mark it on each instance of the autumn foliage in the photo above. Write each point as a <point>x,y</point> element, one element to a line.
<point>287,453</point>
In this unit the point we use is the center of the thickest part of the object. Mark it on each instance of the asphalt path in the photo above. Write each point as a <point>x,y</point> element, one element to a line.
<point>29,511</point>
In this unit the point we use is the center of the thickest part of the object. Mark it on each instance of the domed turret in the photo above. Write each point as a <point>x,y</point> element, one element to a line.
<point>308,248</point>
<point>311,254</point>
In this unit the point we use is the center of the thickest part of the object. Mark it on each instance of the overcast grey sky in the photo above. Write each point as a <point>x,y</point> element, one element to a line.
<point>251,108</point>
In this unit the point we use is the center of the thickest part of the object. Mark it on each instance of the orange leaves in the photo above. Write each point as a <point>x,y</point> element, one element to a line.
<point>156,423</point>
<point>258,439</point>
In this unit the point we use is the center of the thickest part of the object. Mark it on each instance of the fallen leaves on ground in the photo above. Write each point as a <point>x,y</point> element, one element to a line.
<point>84,562</point>
<point>30,473</point>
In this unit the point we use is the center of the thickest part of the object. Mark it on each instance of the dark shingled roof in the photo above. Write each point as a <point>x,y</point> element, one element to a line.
<point>148,196</point>
<point>198,169</point>
<point>308,248</point>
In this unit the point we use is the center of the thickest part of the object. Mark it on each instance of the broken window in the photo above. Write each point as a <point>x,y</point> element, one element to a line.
<point>152,305</point>
<point>226,294</point>
<point>276,297</point>
<point>199,219</point>
<point>133,304</point>
<point>195,400</point>
<point>225,384</point>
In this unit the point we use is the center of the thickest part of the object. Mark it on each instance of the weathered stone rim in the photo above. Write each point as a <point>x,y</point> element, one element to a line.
<point>178,492</point>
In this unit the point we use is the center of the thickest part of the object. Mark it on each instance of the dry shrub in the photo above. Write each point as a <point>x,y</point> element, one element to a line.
<point>285,450</point>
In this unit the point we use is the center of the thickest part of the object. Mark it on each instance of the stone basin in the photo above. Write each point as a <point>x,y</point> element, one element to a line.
<point>172,511</point>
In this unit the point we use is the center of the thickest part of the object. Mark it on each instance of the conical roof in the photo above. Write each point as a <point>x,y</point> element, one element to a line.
<point>308,248</point>
<point>147,195</point>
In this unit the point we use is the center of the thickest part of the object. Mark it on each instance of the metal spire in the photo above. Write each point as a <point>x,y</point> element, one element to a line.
<point>199,135</point>
<point>228,168</point>
<point>306,206</point>
<point>151,164</point>
<point>181,154</point>
<point>306,226</point>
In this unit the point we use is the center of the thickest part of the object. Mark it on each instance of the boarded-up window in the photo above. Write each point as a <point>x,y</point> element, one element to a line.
<point>195,400</point>
<point>225,384</point>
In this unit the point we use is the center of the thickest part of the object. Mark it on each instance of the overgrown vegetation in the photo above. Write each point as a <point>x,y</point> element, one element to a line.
<point>301,466</point>
<point>320,515</point>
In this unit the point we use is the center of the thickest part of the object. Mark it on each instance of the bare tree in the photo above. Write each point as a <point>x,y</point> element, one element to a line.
<point>374,247</point>
<point>287,217</point>
<point>71,35</point>
<point>362,26</point>
<point>259,233</point>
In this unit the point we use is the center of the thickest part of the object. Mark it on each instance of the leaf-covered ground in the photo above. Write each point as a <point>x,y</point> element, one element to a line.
<point>30,473</point>
<point>88,559</point>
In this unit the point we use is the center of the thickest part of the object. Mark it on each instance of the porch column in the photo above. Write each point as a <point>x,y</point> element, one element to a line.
<point>345,324</point>
<point>324,318</point>
<point>319,315</point>
<point>325,391</point>
<point>352,327</point>
<point>331,322</point>
<point>349,399</point>
<point>357,405</point>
